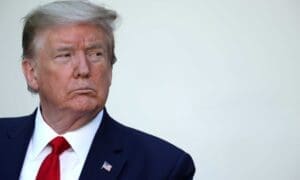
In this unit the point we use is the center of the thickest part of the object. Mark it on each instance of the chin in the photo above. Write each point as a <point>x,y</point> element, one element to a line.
<point>86,105</point>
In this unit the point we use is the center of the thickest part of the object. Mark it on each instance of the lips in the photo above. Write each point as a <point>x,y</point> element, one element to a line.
<point>85,90</point>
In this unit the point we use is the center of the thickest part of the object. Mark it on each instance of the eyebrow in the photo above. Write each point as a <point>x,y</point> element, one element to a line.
<point>89,47</point>
<point>94,46</point>
<point>64,48</point>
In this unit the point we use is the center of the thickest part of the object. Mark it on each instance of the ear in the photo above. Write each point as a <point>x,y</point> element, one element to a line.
<point>30,73</point>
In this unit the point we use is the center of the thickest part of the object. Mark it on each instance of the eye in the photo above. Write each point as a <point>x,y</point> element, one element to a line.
<point>99,53</point>
<point>95,55</point>
<point>63,57</point>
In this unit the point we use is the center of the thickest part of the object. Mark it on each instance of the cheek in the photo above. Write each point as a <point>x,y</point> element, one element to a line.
<point>108,77</point>
<point>103,75</point>
<point>102,81</point>
<point>53,79</point>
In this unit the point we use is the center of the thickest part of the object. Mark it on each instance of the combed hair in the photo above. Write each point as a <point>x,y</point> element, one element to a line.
<point>63,13</point>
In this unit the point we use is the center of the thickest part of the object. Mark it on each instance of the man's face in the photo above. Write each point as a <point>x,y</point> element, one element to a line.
<point>71,69</point>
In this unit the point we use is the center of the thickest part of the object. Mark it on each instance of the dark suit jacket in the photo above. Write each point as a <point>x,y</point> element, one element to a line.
<point>132,154</point>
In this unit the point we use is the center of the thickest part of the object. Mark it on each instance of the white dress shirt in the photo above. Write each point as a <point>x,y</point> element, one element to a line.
<point>71,160</point>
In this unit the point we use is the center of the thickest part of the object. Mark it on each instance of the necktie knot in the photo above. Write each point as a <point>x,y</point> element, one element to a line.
<point>59,145</point>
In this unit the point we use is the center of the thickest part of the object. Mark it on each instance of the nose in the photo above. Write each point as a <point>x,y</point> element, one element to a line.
<point>81,66</point>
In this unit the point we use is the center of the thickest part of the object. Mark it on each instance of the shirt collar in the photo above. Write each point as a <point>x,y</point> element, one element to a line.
<point>79,139</point>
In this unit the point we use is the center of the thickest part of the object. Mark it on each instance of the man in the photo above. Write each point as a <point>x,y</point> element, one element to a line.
<point>68,54</point>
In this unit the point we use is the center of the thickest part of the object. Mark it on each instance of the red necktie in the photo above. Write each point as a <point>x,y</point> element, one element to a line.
<point>49,169</point>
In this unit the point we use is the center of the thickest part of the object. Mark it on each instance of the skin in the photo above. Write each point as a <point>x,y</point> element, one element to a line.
<point>72,74</point>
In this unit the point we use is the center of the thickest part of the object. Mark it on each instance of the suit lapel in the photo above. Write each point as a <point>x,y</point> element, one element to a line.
<point>16,141</point>
<point>106,157</point>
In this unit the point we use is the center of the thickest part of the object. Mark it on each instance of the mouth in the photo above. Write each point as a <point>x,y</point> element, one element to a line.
<point>84,91</point>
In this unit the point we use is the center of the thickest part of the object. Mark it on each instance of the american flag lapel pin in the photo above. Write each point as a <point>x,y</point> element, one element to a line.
<point>106,166</point>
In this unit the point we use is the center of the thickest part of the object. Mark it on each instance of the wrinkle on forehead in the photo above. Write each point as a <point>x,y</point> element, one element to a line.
<point>77,36</point>
<point>66,36</point>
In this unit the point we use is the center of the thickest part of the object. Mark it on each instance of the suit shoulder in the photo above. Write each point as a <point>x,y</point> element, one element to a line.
<point>11,122</point>
<point>174,163</point>
<point>8,121</point>
<point>139,139</point>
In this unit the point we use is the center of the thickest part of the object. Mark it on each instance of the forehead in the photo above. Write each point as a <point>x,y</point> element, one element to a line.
<point>73,34</point>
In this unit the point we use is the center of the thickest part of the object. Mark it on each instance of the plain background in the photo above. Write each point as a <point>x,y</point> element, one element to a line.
<point>218,78</point>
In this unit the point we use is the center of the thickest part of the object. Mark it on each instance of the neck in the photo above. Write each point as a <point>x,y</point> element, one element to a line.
<point>62,121</point>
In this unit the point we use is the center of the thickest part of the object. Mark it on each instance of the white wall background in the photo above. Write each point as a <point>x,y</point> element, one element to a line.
<point>218,78</point>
